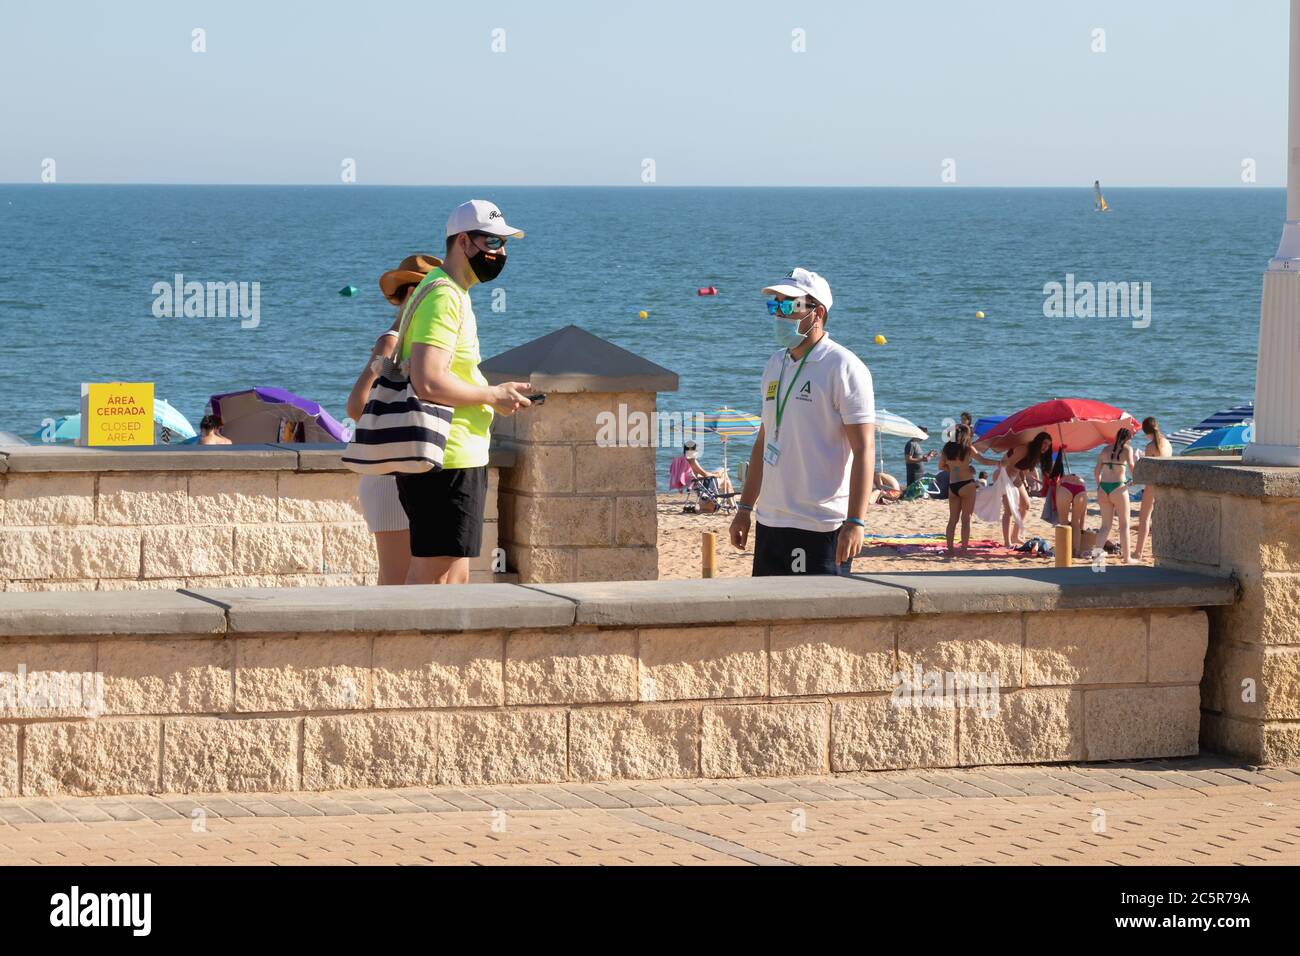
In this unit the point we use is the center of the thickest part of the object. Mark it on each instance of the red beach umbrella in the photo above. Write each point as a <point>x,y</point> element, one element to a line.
<point>1075,424</point>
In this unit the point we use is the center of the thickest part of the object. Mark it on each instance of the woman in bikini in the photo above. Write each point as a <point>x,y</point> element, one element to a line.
<point>1158,447</point>
<point>957,458</point>
<point>1071,501</point>
<point>1114,466</point>
<point>1020,465</point>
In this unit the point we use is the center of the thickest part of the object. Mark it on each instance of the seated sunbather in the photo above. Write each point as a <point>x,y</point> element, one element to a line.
<point>721,477</point>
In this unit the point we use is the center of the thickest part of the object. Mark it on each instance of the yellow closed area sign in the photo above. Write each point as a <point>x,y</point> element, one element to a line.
<point>117,413</point>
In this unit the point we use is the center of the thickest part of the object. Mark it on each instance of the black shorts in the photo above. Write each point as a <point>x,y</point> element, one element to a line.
<point>775,551</point>
<point>445,510</point>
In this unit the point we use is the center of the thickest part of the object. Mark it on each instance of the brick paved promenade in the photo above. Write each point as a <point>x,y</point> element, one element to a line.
<point>1197,810</point>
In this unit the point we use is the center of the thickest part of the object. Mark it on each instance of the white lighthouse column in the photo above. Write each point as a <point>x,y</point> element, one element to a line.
<point>1277,377</point>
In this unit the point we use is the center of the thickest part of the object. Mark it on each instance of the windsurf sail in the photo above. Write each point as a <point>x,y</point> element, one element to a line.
<point>1098,200</point>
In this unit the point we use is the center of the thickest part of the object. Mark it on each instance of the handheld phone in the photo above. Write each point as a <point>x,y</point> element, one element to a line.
<point>537,399</point>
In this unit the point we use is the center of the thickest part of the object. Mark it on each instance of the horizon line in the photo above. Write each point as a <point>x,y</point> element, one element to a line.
<point>645,186</point>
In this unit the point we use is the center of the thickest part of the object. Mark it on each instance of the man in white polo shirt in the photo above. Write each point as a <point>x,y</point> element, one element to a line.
<point>811,469</point>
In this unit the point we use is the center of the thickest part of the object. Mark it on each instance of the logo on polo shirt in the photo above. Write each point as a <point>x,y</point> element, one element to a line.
<point>805,392</point>
<point>771,392</point>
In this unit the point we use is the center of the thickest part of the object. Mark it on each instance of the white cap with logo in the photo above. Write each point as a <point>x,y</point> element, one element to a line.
<point>801,282</point>
<point>479,215</point>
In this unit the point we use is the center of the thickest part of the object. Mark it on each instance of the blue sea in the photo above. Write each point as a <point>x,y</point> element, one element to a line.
<point>78,265</point>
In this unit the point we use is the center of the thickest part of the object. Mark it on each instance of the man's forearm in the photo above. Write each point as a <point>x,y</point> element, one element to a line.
<point>861,477</point>
<point>450,389</point>
<point>753,477</point>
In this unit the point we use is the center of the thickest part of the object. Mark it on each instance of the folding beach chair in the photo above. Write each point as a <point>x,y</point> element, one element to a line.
<point>708,499</point>
<point>923,487</point>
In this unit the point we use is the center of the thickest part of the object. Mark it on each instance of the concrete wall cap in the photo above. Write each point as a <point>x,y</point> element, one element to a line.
<point>328,456</point>
<point>1052,589</point>
<point>1226,476</point>
<point>66,458</point>
<point>67,613</point>
<point>322,456</point>
<point>466,607</point>
<point>701,601</point>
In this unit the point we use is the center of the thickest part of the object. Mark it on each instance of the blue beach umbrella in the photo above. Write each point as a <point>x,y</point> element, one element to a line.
<point>67,429</point>
<point>1222,441</point>
<point>166,416</point>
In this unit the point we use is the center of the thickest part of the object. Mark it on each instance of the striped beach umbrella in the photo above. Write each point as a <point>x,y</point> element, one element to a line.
<point>1184,436</point>
<point>1224,418</point>
<point>1236,415</point>
<point>727,423</point>
<point>887,423</point>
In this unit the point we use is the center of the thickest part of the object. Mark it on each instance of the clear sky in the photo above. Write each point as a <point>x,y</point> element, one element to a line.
<point>584,92</point>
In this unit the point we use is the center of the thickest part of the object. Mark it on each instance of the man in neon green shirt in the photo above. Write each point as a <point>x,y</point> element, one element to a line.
<point>445,508</point>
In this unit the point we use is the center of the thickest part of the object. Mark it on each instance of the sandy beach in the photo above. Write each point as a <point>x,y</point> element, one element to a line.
<point>680,536</point>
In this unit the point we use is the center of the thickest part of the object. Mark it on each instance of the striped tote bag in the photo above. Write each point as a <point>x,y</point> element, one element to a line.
<point>399,433</point>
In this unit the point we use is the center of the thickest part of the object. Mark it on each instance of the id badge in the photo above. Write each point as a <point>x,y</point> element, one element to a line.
<point>771,453</point>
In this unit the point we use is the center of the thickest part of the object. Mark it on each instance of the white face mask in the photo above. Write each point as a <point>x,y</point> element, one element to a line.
<point>788,335</point>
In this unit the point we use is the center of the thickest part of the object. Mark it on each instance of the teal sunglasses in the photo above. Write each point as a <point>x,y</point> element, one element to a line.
<point>784,308</point>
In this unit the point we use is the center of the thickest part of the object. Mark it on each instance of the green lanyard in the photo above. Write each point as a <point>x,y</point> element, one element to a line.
<point>781,403</point>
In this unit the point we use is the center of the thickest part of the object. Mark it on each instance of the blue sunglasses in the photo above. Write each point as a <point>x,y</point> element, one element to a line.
<point>786,307</point>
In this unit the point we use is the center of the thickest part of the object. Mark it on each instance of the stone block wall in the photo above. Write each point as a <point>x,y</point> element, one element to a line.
<point>477,685</point>
<point>572,509</point>
<point>279,522</point>
<point>1226,519</point>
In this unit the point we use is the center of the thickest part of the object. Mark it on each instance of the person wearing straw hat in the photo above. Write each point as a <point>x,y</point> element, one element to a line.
<point>811,468</point>
<point>445,507</point>
<point>380,504</point>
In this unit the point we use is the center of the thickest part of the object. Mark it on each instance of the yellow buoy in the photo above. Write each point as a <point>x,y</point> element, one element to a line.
<point>643,314</point>
<point>881,340</point>
<point>979,315</point>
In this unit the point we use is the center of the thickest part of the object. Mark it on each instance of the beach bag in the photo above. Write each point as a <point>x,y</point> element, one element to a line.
<point>399,433</point>
<point>1049,503</point>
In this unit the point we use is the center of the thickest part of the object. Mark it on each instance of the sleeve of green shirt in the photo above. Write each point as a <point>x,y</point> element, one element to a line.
<point>436,321</point>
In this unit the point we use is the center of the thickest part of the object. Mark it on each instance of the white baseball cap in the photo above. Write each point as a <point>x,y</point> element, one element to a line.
<point>479,215</point>
<point>801,282</point>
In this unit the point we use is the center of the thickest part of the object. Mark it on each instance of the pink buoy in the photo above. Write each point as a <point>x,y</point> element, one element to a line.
<point>707,290</point>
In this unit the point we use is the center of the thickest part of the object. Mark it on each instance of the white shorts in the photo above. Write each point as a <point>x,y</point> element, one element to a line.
<point>380,505</point>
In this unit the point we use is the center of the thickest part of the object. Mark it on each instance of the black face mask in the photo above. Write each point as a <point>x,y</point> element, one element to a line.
<point>487,265</point>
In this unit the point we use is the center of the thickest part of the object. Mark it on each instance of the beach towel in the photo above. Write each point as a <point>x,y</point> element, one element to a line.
<point>679,473</point>
<point>884,540</point>
<point>982,548</point>
<point>988,500</point>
